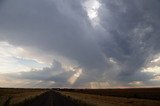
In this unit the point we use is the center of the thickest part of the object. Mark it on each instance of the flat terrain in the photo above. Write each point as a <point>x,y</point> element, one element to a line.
<point>52,98</point>
<point>98,100</point>
<point>140,93</point>
<point>18,95</point>
<point>80,97</point>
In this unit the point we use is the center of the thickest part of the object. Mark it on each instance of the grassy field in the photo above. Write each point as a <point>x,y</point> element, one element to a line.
<point>80,97</point>
<point>13,96</point>
<point>140,93</point>
<point>98,100</point>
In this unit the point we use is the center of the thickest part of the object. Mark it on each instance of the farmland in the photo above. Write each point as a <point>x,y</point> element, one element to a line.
<point>18,95</point>
<point>103,100</point>
<point>80,97</point>
<point>140,93</point>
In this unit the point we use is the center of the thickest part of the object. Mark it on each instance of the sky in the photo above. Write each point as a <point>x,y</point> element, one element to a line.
<point>79,43</point>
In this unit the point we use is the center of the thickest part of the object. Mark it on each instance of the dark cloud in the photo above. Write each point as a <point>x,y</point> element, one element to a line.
<point>43,25</point>
<point>128,34</point>
<point>132,27</point>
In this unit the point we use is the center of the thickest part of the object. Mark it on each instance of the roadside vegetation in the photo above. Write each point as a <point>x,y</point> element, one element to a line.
<point>10,96</point>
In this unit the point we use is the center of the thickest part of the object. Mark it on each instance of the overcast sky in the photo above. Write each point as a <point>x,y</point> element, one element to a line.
<point>79,43</point>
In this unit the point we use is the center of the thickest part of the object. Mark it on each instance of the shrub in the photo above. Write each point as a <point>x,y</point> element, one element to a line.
<point>7,103</point>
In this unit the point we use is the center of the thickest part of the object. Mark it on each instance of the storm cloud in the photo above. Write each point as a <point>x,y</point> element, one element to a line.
<point>115,50</point>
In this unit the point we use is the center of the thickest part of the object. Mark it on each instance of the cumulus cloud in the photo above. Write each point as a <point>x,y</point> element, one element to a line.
<point>112,52</point>
<point>56,74</point>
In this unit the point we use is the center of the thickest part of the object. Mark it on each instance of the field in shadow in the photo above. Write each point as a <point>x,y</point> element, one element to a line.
<point>140,93</point>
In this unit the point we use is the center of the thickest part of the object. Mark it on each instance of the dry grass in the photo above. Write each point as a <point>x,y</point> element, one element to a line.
<point>140,93</point>
<point>18,95</point>
<point>110,101</point>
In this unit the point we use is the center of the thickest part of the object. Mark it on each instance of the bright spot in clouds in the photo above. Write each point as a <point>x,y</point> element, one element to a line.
<point>155,70</point>
<point>136,83</point>
<point>153,66</point>
<point>74,78</point>
<point>92,7</point>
